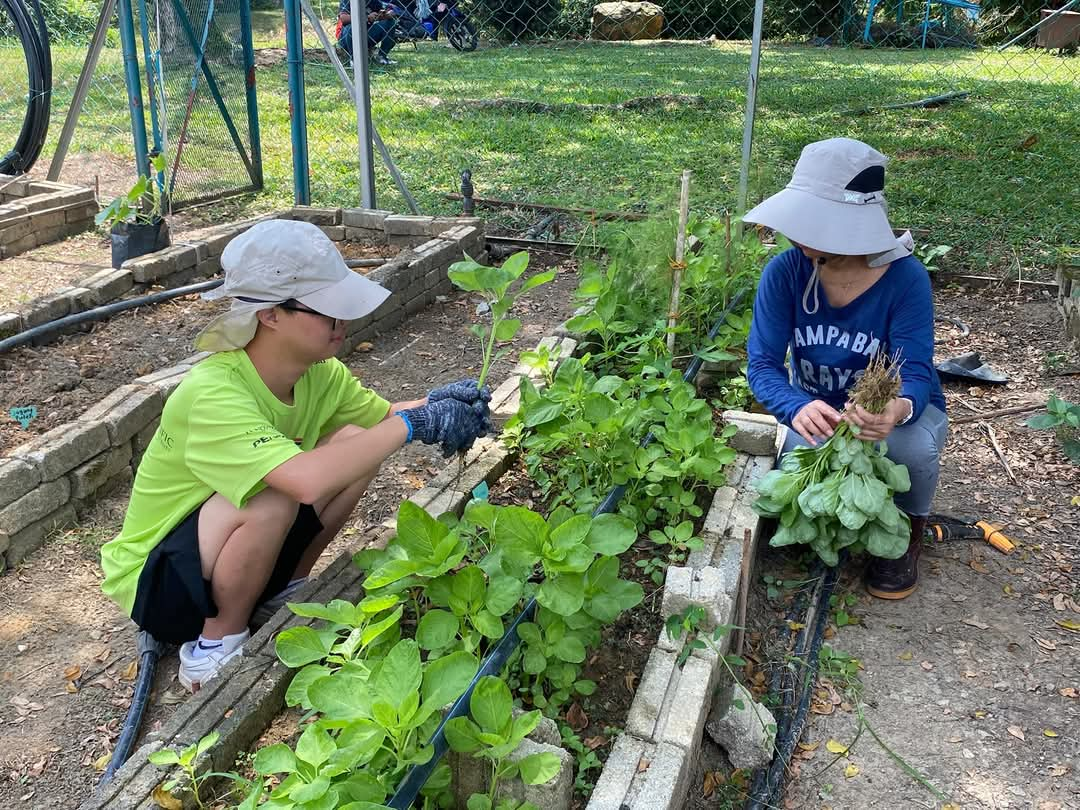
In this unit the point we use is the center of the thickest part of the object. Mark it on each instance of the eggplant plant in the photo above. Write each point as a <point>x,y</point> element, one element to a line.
<point>493,283</point>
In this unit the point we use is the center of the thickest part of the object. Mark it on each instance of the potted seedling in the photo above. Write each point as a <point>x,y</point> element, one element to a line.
<point>136,225</point>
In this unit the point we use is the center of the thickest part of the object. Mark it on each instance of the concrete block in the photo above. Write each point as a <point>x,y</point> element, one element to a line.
<point>47,308</point>
<point>438,502</point>
<point>653,695</point>
<point>708,587</point>
<point>151,268</point>
<point>45,201</point>
<point>472,775</point>
<point>141,441</point>
<point>63,448</point>
<point>316,216</point>
<point>191,360</point>
<point>164,380</point>
<point>30,539</point>
<point>394,275</point>
<point>15,229</point>
<point>662,784</point>
<point>390,318</point>
<point>335,233</point>
<point>623,764</point>
<point>126,411</point>
<point>82,214</point>
<point>742,727</point>
<point>28,242</point>
<point>431,254</point>
<point>685,720</point>
<point>47,220</point>
<point>487,466</point>
<point>89,477</point>
<point>370,219</point>
<point>756,433</point>
<point>11,323</point>
<point>109,284</point>
<point>36,504</point>
<point>17,477</point>
<point>403,225</point>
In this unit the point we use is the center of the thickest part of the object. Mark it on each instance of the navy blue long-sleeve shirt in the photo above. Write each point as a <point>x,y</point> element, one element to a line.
<point>831,348</point>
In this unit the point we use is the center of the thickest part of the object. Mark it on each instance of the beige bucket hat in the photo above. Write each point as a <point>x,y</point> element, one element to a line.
<point>835,203</point>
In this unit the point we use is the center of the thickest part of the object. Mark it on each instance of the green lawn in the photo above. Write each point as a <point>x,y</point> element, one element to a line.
<point>962,171</point>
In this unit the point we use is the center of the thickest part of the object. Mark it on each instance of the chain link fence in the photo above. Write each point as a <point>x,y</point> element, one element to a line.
<point>576,104</point>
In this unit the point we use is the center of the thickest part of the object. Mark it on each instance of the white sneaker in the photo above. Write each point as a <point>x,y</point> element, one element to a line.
<point>265,612</point>
<point>195,671</point>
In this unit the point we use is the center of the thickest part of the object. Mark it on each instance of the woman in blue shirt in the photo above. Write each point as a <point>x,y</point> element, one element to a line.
<point>849,288</point>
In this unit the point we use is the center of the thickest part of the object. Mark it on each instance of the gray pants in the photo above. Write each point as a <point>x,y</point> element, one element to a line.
<point>918,447</point>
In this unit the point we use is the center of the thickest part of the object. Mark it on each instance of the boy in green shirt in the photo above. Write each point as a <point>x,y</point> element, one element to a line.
<point>264,450</point>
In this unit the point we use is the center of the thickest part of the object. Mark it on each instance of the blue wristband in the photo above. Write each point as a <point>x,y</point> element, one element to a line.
<point>408,425</point>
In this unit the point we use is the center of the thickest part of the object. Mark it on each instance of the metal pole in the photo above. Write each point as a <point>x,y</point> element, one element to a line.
<point>134,86</point>
<point>751,106</point>
<point>388,161</point>
<point>249,91</point>
<point>81,88</point>
<point>362,100</point>
<point>294,46</point>
<point>1039,24</point>
<point>150,60</point>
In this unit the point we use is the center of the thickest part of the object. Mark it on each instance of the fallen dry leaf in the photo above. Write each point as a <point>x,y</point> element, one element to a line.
<point>73,673</point>
<point>975,623</point>
<point>822,707</point>
<point>364,346</point>
<point>629,681</point>
<point>1069,692</point>
<point>978,567</point>
<point>166,800</point>
<point>1049,732</point>
<point>712,779</point>
<point>643,764</point>
<point>1049,646</point>
<point>851,770</point>
<point>130,671</point>
<point>950,806</point>
<point>1068,624</point>
<point>102,762</point>
<point>1058,770</point>
<point>1017,732</point>
<point>907,655</point>
<point>836,747</point>
<point>577,718</point>
<point>171,697</point>
<point>926,665</point>
<point>592,743</point>
<point>809,746</point>
<point>70,687</point>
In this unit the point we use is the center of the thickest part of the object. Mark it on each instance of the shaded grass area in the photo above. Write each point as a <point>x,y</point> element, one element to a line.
<point>994,175</point>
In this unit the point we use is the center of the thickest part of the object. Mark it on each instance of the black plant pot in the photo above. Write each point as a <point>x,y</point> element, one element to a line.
<point>132,239</point>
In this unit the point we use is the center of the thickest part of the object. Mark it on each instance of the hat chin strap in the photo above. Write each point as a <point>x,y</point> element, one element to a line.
<point>812,287</point>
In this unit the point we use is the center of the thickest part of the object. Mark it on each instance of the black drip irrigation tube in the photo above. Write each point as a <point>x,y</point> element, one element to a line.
<point>414,780</point>
<point>103,312</point>
<point>150,650</point>
<point>768,786</point>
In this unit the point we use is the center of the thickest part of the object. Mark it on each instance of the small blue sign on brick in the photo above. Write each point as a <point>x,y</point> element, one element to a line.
<point>480,491</point>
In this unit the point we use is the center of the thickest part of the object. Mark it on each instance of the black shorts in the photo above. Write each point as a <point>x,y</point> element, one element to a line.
<point>173,600</point>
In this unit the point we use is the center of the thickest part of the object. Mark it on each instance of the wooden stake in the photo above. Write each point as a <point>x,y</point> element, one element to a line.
<point>744,590</point>
<point>680,263</point>
<point>997,449</point>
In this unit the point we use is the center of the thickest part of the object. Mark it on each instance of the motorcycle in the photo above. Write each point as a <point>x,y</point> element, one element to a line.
<point>431,16</point>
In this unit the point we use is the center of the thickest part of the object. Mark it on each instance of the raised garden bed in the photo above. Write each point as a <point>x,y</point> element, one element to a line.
<point>651,761</point>
<point>46,482</point>
<point>37,212</point>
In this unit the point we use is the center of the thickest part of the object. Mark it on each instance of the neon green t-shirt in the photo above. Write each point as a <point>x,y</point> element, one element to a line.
<point>222,430</point>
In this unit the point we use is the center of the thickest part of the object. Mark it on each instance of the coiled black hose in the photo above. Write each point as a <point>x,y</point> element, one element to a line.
<point>29,24</point>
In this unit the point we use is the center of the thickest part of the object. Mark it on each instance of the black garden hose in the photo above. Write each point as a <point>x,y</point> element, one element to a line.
<point>103,312</point>
<point>150,650</point>
<point>29,24</point>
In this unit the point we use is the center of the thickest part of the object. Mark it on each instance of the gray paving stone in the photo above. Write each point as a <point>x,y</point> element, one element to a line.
<point>63,448</point>
<point>36,504</point>
<point>17,477</point>
<point>126,411</point>
<point>24,543</point>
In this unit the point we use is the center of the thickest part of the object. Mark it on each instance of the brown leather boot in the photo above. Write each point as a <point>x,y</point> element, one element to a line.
<point>896,579</point>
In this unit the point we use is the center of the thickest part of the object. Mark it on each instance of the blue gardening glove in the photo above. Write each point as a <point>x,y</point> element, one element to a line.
<point>466,391</point>
<point>447,422</point>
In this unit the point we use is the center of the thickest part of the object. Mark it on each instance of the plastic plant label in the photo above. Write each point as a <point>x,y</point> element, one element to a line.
<point>480,491</point>
<point>24,415</point>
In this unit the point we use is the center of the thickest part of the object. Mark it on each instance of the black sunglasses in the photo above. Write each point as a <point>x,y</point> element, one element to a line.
<point>295,306</point>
